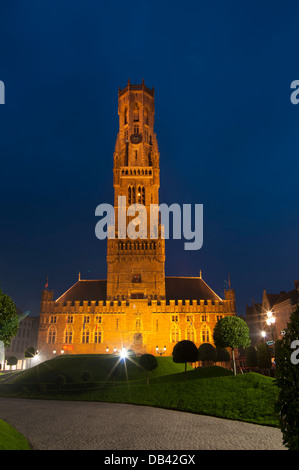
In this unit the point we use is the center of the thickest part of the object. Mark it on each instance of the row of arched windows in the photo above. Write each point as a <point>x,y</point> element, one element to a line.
<point>190,334</point>
<point>136,195</point>
<point>87,336</point>
<point>96,336</point>
<point>136,115</point>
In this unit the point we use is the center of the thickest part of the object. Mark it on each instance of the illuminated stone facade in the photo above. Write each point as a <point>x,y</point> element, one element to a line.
<point>137,306</point>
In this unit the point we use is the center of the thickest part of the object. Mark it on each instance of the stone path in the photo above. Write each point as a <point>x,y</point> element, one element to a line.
<point>67,425</point>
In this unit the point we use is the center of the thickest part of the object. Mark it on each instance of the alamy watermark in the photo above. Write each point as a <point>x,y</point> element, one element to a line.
<point>2,92</point>
<point>134,222</point>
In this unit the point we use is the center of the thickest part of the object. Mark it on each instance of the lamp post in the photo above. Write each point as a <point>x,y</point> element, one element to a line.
<point>270,322</point>
<point>160,351</point>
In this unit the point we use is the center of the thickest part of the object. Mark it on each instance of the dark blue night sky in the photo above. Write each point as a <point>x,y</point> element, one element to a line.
<point>228,136</point>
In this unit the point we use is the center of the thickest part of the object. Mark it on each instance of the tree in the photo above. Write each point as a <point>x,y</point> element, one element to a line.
<point>86,376</point>
<point>231,332</point>
<point>263,356</point>
<point>222,355</point>
<point>149,363</point>
<point>30,352</point>
<point>251,357</point>
<point>12,361</point>
<point>287,379</point>
<point>185,351</point>
<point>207,352</point>
<point>9,323</point>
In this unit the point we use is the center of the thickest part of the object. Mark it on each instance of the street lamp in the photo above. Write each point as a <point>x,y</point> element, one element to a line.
<point>107,349</point>
<point>160,351</point>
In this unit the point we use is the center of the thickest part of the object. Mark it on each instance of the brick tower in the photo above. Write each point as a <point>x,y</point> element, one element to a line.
<point>135,267</point>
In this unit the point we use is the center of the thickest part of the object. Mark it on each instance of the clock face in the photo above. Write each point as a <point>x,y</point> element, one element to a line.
<point>136,138</point>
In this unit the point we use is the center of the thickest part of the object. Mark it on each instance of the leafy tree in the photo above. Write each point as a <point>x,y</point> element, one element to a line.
<point>86,375</point>
<point>12,361</point>
<point>9,323</point>
<point>185,351</point>
<point>251,357</point>
<point>30,352</point>
<point>263,356</point>
<point>149,363</point>
<point>207,353</point>
<point>222,355</point>
<point>60,381</point>
<point>287,379</point>
<point>231,332</point>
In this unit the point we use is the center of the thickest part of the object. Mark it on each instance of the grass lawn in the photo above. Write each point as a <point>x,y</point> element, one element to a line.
<point>213,391</point>
<point>11,439</point>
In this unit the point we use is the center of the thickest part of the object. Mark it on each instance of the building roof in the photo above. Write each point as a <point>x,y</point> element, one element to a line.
<point>188,288</point>
<point>85,290</point>
<point>177,288</point>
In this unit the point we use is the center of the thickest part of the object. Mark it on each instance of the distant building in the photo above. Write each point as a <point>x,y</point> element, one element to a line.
<point>26,338</point>
<point>280,305</point>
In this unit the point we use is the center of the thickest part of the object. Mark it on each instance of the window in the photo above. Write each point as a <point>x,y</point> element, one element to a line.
<point>136,129</point>
<point>189,318</point>
<point>98,336</point>
<point>137,295</point>
<point>146,117</point>
<point>52,335</point>
<point>141,195</point>
<point>126,116</point>
<point>86,319</point>
<point>175,333</point>
<point>131,195</point>
<point>98,319</point>
<point>136,113</point>
<point>174,318</point>
<point>85,336</point>
<point>136,278</point>
<point>138,323</point>
<point>190,333</point>
<point>68,335</point>
<point>218,317</point>
<point>203,318</point>
<point>70,319</point>
<point>53,319</point>
<point>205,334</point>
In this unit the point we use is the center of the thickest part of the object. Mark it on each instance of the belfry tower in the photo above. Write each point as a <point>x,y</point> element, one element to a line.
<point>135,267</point>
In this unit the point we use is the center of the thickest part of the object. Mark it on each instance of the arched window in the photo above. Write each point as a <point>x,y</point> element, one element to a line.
<point>141,195</point>
<point>85,335</point>
<point>146,116</point>
<point>126,116</point>
<point>131,195</point>
<point>52,333</point>
<point>174,333</point>
<point>68,336</point>
<point>190,333</point>
<point>205,334</point>
<point>136,113</point>
<point>98,336</point>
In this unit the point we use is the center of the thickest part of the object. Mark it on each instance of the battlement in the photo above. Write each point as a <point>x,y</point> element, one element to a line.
<point>136,87</point>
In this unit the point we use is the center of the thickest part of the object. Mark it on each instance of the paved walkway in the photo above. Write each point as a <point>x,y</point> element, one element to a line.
<point>67,425</point>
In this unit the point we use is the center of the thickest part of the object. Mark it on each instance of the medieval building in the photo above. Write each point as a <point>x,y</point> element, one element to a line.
<point>137,306</point>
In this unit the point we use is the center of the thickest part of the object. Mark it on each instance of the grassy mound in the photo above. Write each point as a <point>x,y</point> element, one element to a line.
<point>213,391</point>
<point>11,439</point>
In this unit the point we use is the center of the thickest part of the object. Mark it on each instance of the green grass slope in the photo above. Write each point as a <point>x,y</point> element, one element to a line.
<point>11,439</point>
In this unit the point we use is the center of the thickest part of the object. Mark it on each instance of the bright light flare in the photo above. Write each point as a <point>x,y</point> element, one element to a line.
<point>123,353</point>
